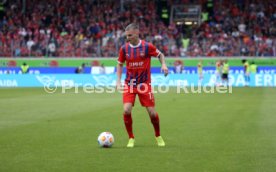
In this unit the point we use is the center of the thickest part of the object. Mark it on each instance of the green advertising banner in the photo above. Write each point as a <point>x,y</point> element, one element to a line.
<point>73,62</point>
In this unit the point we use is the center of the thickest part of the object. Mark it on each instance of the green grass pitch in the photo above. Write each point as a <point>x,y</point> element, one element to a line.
<point>203,132</point>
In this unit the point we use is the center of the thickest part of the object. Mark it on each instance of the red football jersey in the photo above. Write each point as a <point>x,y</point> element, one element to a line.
<point>138,60</point>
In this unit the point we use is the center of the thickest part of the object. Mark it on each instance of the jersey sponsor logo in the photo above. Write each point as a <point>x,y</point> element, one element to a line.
<point>135,64</point>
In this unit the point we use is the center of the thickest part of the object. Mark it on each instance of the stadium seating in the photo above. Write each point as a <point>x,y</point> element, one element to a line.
<point>85,28</point>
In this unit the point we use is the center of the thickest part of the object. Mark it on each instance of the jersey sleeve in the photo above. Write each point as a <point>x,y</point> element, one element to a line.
<point>122,57</point>
<point>153,51</point>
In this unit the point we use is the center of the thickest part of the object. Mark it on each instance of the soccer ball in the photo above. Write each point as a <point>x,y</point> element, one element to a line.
<point>106,139</point>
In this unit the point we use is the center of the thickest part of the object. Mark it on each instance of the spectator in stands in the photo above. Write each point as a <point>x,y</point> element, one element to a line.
<point>178,66</point>
<point>24,68</point>
<point>102,69</point>
<point>246,71</point>
<point>80,69</point>
<point>200,72</point>
<point>253,68</point>
<point>225,72</point>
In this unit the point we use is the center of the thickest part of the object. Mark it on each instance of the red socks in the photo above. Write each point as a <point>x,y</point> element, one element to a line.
<point>155,123</point>
<point>128,124</point>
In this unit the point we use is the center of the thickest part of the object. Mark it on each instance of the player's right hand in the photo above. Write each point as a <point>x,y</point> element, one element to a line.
<point>118,85</point>
<point>165,70</point>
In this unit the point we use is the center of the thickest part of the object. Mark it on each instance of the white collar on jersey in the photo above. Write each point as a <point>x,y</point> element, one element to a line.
<point>134,46</point>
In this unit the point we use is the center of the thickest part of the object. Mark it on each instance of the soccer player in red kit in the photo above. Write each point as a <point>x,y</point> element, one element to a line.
<point>137,53</point>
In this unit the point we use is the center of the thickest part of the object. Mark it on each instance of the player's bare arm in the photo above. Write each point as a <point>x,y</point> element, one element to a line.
<point>164,67</point>
<point>119,75</point>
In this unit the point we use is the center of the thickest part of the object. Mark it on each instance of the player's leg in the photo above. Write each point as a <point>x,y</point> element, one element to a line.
<point>247,79</point>
<point>154,120</point>
<point>200,79</point>
<point>128,123</point>
<point>227,80</point>
<point>147,100</point>
<point>217,82</point>
<point>224,79</point>
<point>129,99</point>
<point>128,119</point>
<point>156,125</point>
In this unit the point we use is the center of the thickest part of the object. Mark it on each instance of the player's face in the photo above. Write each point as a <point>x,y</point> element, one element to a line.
<point>132,36</point>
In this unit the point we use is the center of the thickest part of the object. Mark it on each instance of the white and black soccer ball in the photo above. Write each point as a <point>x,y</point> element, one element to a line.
<point>106,139</point>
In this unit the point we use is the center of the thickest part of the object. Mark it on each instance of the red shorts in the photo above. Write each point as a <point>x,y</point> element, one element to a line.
<point>145,96</point>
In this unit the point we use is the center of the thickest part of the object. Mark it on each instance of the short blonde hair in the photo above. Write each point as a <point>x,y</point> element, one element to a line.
<point>132,26</point>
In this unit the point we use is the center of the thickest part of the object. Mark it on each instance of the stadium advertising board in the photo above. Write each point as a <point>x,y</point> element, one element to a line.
<point>61,80</point>
<point>112,70</point>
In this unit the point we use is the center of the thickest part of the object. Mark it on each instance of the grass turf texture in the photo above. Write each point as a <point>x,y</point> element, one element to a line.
<point>203,132</point>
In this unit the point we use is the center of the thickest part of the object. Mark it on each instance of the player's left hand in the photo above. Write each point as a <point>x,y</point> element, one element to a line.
<point>165,70</point>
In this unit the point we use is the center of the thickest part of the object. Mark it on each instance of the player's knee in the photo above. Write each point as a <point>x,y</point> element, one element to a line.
<point>152,113</point>
<point>127,111</point>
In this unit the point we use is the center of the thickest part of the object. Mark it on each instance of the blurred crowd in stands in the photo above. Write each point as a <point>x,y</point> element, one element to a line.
<point>237,29</point>
<point>95,28</point>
